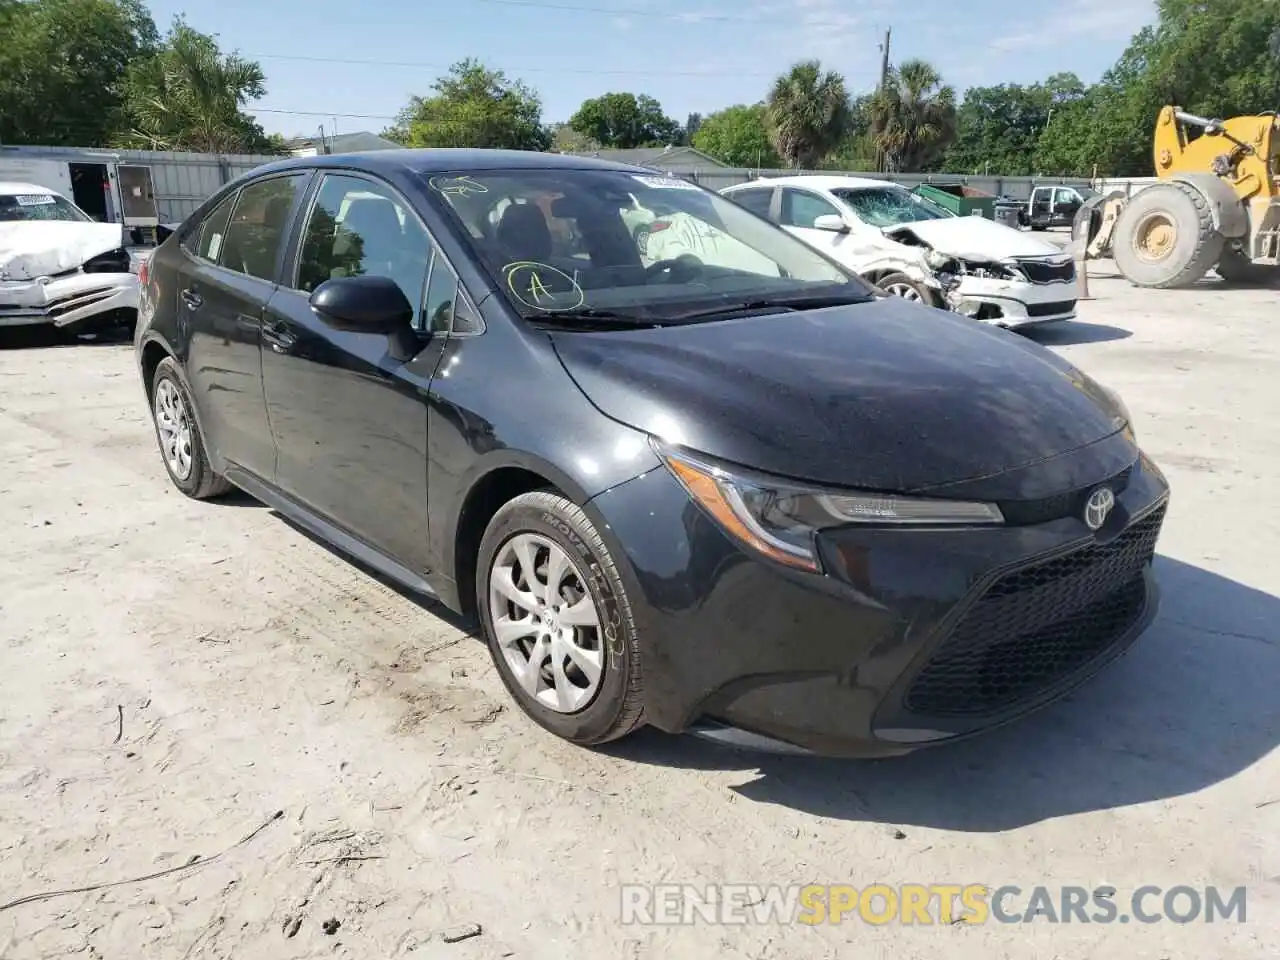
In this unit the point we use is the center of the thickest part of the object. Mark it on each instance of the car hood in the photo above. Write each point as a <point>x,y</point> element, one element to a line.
<point>31,249</point>
<point>885,395</point>
<point>976,238</point>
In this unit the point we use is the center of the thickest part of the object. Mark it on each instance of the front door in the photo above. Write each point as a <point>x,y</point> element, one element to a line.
<point>347,409</point>
<point>798,211</point>
<point>1041,205</point>
<point>224,282</point>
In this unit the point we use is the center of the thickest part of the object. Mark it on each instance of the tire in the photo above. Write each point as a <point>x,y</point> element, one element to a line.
<point>613,706</point>
<point>896,285</point>
<point>169,394</point>
<point>1194,248</point>
<point>1238,270</point>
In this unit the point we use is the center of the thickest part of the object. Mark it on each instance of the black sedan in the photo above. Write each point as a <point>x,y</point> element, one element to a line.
<point>755,501</point>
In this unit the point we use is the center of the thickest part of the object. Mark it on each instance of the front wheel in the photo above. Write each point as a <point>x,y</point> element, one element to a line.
<point>557,620</point>
<point>901,285</point>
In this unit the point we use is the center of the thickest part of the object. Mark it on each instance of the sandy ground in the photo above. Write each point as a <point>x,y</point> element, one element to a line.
<point>175,673</point>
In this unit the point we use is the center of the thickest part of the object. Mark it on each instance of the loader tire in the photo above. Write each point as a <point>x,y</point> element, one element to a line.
<point>1165,238</point>
<point>1239,271</point>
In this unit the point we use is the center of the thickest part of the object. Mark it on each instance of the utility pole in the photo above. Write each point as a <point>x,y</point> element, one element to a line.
<point>884,58</point>
<point>884,80</point>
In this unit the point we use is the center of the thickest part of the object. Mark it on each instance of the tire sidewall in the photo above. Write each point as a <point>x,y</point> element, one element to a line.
<point>199,465</point>
<point>594,722</point>
<point>1188,245</point>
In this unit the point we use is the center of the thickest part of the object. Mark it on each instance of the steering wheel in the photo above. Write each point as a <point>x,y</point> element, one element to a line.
<point>678,269</point>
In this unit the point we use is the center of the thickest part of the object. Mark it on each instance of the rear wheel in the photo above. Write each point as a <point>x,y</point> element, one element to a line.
<point>557,620</point>
<point>1165,237</point>
<point>901,285</point>
<point>178,434</point>
<point>1239,270</point>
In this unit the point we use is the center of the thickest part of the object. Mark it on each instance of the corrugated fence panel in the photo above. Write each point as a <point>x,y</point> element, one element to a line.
<point>1019,188</point>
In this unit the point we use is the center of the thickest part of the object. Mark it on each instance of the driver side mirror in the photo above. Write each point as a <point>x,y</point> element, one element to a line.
<point>831,223</point>
<point>366,304</point>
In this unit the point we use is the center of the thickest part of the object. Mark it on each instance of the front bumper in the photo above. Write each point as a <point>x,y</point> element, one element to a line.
<point>1015,303</point>
<point>911,638</point>
<point>66,301</point>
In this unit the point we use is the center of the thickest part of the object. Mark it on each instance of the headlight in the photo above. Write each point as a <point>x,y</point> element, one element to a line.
<point>779,518</point>
<point>1123,418</point>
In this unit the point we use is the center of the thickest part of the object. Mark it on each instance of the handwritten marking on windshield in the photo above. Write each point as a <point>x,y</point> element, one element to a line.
<point>532,284</point>
<point>457,186</point>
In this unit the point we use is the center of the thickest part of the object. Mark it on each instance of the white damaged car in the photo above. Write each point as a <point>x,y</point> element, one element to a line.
<point>916,249</point>
<point>60,267</point>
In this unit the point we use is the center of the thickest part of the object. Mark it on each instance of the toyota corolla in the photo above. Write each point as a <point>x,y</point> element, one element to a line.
<point>760,503</point>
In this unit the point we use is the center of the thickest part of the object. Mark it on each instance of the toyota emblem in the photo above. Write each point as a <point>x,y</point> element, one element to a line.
<point>1098,507</point>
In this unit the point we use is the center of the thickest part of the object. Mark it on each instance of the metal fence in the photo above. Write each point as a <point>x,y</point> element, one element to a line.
<point>1019,188</point>
<point>183,181</point>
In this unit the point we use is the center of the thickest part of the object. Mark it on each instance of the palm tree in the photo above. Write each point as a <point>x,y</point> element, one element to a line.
<point>808,113</point>
<point>913,117</point>
<point>188,96</point>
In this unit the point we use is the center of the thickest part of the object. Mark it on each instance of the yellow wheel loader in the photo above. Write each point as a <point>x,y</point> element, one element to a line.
<point>1216,206</point>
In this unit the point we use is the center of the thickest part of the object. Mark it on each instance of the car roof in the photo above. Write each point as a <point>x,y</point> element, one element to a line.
<point>818,181</point>
<point>11,188</point>
<point>450,160</point>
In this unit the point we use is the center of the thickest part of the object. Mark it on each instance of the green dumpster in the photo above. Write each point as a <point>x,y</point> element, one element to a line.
<point>961,200</point>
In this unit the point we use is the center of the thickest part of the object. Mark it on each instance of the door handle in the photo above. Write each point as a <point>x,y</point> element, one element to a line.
<point>277,336</point>
<point>192,299</point>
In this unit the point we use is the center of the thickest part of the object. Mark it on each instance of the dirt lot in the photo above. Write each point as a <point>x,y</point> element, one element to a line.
<point>175,673</point>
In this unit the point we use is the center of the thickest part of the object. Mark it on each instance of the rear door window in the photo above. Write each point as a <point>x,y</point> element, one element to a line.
<point>756,200</point>
<point>206,239</point>
<point>258,225</point>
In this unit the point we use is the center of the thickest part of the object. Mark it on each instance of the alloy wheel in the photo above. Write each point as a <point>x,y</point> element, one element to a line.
<point>904,290</point>
<point>545,623</point>
<point>173,422</point>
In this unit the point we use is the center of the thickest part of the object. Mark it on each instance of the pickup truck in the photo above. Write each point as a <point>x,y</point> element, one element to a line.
<point>1053,206</point>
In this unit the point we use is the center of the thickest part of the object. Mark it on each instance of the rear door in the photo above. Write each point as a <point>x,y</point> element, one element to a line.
<point>226,278</point>
<point>348,409</point>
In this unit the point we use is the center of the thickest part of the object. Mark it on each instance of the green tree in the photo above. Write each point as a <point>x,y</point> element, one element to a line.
<point>913,117</point>
<point>808,112</point>
<point>998,129</point>
<point>738,136</point>
<point>189,96</point>
<point>625,120</point>
<point>473,106</point>
<point>63,65</point>
<point>564,139</point>
<point>1215,59</point>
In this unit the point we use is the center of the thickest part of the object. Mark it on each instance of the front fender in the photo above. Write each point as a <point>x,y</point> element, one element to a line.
<point>1229,215</point>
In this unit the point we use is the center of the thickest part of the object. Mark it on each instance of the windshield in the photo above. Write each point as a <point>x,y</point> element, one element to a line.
<point>39,206</point>
<point>891,206</point>
<point>640,246</point>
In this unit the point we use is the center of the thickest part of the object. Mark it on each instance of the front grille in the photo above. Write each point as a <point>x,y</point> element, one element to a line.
<point>1023,513</point>
<point>1041,271</point>
<point>1038,625</point>
<point>1050,309</point>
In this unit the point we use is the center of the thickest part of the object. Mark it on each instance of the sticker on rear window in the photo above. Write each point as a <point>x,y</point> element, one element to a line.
<point>35,199</point>
<point>666,183</point>
<point>215,244</point>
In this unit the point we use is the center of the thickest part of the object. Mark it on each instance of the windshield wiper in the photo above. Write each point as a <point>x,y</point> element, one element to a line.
<point>593,320</point>
<point>782,304</point>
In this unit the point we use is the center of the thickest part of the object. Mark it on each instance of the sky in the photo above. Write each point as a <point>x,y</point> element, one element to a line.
<point>351,66</point>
